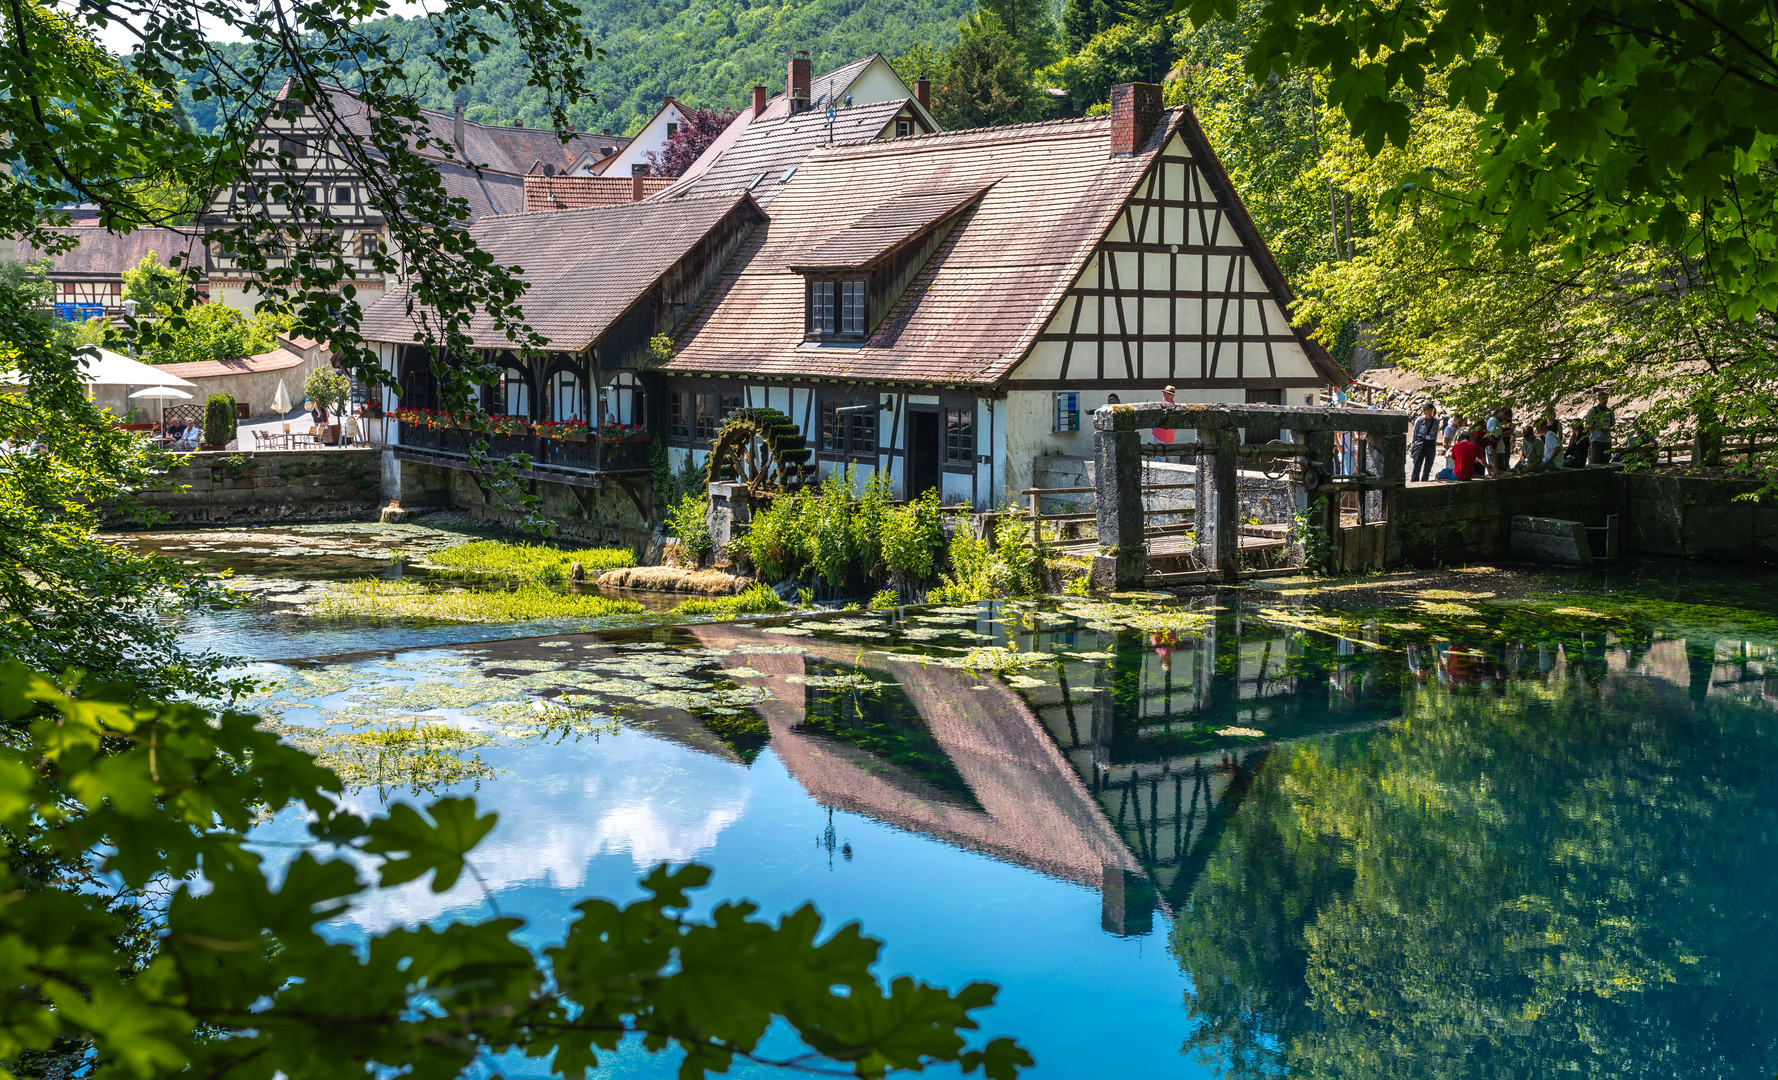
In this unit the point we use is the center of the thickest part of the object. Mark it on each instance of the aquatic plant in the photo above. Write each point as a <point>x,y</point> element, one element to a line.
<point>912,538</point>
<point>885,600</point>
<point>774,542</point>
<point>527,562</point>
<point>688,525</point>
<point>753,600</point>
<point>374,598</point>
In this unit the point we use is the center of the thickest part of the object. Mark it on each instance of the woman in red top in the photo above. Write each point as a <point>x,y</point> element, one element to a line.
<point>1464,454</point>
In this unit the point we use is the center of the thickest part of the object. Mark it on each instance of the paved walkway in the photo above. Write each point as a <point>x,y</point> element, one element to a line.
<point>299,422</point>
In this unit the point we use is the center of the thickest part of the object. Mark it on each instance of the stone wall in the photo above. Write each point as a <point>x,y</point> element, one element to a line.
<point>606,516</point>
<point>1695,517</point>
<point>262,487</point>
<point>1262,498</point>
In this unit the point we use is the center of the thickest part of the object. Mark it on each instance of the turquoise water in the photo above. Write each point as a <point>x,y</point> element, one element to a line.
<point>1233,838</point>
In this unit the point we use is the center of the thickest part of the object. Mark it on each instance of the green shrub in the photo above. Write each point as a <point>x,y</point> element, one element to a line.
<point>775,541</point>
<point>527,562</point>
<point>911,538</point>
<point>1013,550</point>
<point>753,600</point>
<point>329,389</point>
<point>973,573</point>
<point>867,523</point>
<point>686,522</point>
<point>826,532</point>
<point>885,600</point>
<point>219,419</point>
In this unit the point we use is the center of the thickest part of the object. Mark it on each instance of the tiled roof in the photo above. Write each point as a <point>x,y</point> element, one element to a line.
<point>887,226</point>
<point>579,192</point>
<point>104,254</point>
<point>276,360</point>
<point>754,153</point>
<point>826,89</point>
<point>975,308</point>
<point>487,193</point>
<point>585,268</point>
<point>492,146</point>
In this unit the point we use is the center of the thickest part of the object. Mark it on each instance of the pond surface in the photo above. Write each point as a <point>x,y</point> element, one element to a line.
<point>1228,836</point>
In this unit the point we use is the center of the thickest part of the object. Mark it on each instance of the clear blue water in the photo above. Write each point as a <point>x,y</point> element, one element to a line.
<point>1421,842</point>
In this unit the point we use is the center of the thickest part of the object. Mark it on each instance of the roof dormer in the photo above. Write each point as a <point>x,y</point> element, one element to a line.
<point>854,276</point>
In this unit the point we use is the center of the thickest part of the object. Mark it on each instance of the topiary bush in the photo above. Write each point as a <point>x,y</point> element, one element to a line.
<point>219,420</point>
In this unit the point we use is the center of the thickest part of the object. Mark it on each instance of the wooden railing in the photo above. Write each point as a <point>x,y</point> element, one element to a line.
<point>587,455</point>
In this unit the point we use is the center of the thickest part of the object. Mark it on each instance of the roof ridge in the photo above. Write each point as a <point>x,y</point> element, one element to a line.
<point>1029,126</point>
<point>556,214</point>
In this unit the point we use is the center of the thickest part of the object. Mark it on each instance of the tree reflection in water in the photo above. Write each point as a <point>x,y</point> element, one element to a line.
<point>1558,862</point>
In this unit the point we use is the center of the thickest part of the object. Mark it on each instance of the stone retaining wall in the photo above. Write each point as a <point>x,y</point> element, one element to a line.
<point>1658,514</point>
<point>262,487</point>
<point>606,516</point>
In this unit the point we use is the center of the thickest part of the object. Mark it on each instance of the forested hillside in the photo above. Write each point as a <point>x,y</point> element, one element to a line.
<point>704,52</point>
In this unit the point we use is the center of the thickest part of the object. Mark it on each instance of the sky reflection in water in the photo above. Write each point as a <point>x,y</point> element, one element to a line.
<point>1560,862</point>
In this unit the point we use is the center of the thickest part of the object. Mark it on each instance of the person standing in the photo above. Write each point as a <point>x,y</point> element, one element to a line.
<point>1453,431</point>
<point>1599,421</point>
<point>1424,445</point>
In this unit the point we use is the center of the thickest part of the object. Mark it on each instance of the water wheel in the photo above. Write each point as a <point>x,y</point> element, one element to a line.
<point>762,449</point>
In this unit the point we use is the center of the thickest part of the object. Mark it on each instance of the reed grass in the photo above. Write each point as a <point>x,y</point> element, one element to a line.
<point>753,600</point>
<point>528,602</point>
<point>527,562</point>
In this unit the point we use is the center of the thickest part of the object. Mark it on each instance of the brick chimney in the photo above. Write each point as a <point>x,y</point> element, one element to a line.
<point>518,123</point>
<point>760,97</point>
<point>636,186</point>
<point>1135,110</point>
<point>923,92</point>
<point>796,84</point>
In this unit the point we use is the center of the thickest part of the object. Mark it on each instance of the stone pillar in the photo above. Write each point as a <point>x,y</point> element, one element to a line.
<point>1323,504</point>
<point>1117,476</point>
<point>1389,458</point>
<point>1217,520</point>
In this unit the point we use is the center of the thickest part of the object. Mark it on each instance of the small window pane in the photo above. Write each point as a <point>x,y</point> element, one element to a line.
<point>960,435</point>
<point>833,438</point>
<point>342,194</point>
<point>864,433</point>
<point>821,314</point>
<point>706,416</point>
<point>726,404</point>
<point>852,307</point>
<point>679,415</point>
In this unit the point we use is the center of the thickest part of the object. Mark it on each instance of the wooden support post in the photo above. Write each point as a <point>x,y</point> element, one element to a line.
<point>1389,459</point>
<point>1123,562</point>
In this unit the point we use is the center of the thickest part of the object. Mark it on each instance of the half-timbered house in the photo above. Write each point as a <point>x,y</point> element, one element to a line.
<point>88,277</point>
<point>950,307</point>
<point>485,168</point>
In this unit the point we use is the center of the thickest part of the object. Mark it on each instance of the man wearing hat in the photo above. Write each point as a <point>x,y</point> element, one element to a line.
<point>1424,446</point>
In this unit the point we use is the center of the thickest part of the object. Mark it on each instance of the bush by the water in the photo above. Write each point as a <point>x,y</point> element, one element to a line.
<point>528,562</point>
<point>686,522</point>
<point>843,541</point>
<point>984,570</point>
<point>219,419</point>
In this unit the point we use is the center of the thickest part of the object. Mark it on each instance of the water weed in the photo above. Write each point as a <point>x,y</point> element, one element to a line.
<point>412,600</point>
<point>753,600</point>
<point>527,562</point>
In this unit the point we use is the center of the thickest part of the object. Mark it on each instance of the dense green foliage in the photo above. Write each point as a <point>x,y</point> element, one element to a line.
<point>210,332</point>
<point>327,388</point>
<point>219,419</point>
<point>157,287</point>
<point>527,562</point>
<point>828,534</point>
<point>707,53</point>
<point>753,600</point>
<point>688,525</point>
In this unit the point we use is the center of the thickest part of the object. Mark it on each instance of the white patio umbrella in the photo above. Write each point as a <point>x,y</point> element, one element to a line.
<point>115,369</point>
<point>281,401</point>
<point>161,393</point>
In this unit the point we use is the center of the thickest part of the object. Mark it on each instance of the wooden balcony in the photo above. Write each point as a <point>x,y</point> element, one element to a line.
<point>564,461</point>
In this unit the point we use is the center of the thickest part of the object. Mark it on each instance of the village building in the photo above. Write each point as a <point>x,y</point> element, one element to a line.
<point>88,278</point>
<point>633,158</point>
<point>485,166</point>
<point>983,291</point>
<point>978,296</point>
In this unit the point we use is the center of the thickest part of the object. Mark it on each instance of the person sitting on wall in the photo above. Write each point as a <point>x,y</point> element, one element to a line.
<point>1424,446</point>
<point>1530,449</point>
<point>1552,443</point>
<point>1466,453</point>
<point>1575,457</point>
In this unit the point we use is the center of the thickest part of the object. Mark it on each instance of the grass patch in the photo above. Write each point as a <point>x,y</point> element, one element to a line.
<point>411,600</point>
<point>527,562</point>
<point>753,600</point>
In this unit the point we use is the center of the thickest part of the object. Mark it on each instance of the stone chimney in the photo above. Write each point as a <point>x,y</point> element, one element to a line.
<point>636,186</point>
<point>457,127</point>
<point>796,84</point>
<point>923,92</point>
<point>1135,110</point>
<point>605,131</point>
<point>760,97</point>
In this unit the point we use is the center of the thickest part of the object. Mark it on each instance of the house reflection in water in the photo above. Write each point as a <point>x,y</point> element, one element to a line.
<point>1111,773</point>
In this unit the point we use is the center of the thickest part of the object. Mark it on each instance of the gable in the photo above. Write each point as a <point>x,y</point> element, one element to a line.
<point>1180,290</point>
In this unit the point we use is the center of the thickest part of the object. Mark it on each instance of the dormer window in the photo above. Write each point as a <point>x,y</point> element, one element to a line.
<point>838,308</point>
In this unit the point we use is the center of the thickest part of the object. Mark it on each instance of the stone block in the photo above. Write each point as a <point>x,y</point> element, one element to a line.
<point>1550,540</point>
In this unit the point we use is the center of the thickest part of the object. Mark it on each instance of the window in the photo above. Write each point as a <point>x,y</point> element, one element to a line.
<point>904,128</point>
<point>851,434</point>
<point>960,435</point>
<point>851,307</point>
<point>638,170</point>
<point>705,426</point>
<point>368,245</point>
<point>342,195</point>
<point>726,404</point>
<point>250,193</point>
<point>515,394</point>
<point>293,147</point>
<point>672,129</point>
<point>564,396</point>
<point>312,195</point>
<point>821,307</point>
<point>1067,410</point>
<point>679,415</point>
